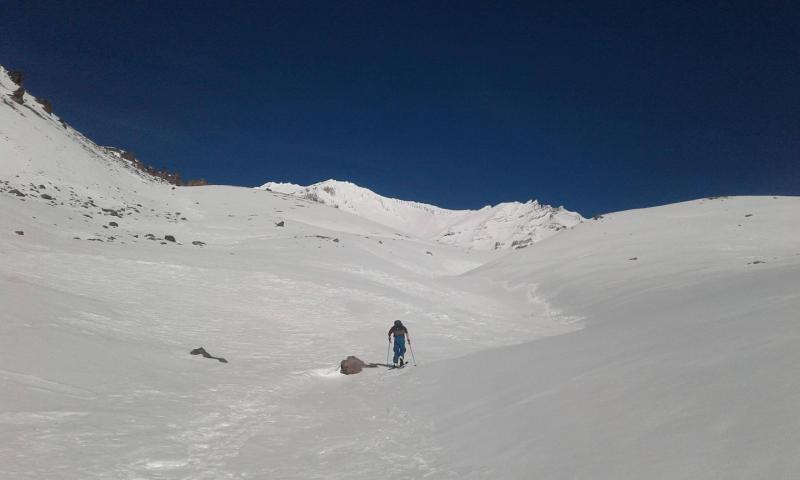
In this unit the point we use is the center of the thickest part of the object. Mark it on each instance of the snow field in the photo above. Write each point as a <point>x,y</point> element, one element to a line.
<point>656,343</point>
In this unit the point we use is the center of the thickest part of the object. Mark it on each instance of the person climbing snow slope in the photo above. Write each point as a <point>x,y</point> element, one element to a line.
<point>400,333</point>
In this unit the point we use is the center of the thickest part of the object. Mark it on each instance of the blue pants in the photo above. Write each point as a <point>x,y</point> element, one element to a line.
<point>399,347</point>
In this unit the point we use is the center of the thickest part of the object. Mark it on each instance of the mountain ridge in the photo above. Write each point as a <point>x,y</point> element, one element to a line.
<point>507,225</point>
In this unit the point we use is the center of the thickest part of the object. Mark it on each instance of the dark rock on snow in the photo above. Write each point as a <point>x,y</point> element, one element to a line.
<point>20,232</point>
<point>202,351</point>
<point>18,95</point>
<point>17,77</point>
<point>169,238</point>
<point>47,106</point>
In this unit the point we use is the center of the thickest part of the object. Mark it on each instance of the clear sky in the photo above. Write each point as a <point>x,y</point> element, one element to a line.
<point>597,106</point>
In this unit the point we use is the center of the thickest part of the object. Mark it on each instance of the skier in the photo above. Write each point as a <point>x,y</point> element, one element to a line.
<point>400,333</point>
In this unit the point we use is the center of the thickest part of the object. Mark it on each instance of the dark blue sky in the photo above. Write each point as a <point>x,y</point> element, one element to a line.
<point>596,106</point>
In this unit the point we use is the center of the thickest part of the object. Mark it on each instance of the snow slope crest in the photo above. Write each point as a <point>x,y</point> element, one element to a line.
<point>506,225</point>
<point>37,143</point>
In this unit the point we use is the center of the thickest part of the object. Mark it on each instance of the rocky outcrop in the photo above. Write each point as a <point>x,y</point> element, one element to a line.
<point>17,77</point>
<point>18,95</point>
<point>47,106</point>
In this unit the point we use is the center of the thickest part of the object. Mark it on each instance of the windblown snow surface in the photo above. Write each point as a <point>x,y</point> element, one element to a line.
<point>656,343</point>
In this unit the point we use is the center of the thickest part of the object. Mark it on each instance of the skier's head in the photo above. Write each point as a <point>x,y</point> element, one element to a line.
<point>398,323</point>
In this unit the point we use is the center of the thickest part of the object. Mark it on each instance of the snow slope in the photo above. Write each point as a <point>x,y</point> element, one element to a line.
<point>656,343</point>
<point>686,368</point>
<point>506,225</point>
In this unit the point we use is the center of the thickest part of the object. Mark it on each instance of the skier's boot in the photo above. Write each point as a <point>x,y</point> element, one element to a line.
<point>401,361</point>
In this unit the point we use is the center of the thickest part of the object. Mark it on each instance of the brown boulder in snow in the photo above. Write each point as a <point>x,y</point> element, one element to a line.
<point>351,365</point>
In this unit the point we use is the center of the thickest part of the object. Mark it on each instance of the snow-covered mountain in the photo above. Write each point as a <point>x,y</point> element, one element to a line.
<point>652,343</point>
<point>506,225</point>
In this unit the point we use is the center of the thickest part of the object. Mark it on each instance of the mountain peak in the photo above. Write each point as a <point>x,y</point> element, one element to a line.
<point>505,225</point>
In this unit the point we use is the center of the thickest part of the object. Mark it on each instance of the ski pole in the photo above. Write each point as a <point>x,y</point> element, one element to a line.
<point>412,353</point>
